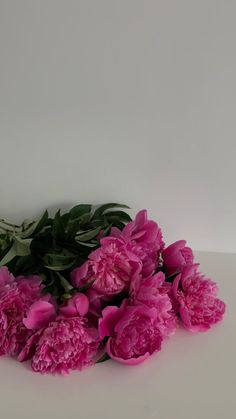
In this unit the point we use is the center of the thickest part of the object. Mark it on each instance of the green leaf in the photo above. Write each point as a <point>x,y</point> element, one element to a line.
<point>106,231</point>
<point>8,256</point>
<point>100,210</point>
<point>88,235</point>
<point>66,296</point>
<point>76,224</point>
<point>20,247</point>
<point>27,224</point>
<point>55,290</point>
<point>5,241</point>
<point>59,261</point>
<point>64,255</point>
<point>59,267</point>
<point>25,265</point>
<point>58,230</point>
<point>9,228</point>
<point>64,283</point>
<point>115,222</point>
<point>105,357</point>
<point>64,219</point>
<point>42,243</point>
<point>85,218</point>
<point>33,228</point>
<point>85,287</point>
<point>80,210</point>
<point>73,226</point>
<point>120,215</point>
<point>42,222</point>
<point>86,244</point>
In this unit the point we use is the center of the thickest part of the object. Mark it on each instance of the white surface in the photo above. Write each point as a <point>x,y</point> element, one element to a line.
<point>193,377</point>
<point>131,101</point>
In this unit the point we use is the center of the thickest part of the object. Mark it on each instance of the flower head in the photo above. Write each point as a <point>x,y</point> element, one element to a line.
<point>66,344</point>
<point>199,306</point>
<point>15,299</point>
<point>177,256</point>
<point>39,314</point>
<point>77,305</point>
<point>6,278</point>
<point>132,331</point>
<point>13,306</point>
<point>152,293</point>
<point>110,267</point>
<point>144,238</point>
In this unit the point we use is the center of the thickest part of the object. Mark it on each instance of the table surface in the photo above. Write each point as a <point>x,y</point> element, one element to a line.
<point>193,377</point>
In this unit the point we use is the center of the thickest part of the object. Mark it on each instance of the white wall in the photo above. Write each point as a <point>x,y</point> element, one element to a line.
<point>121,100</point>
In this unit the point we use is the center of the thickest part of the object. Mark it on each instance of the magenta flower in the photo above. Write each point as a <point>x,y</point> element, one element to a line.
<point>133,335</point>
<point>152,293</point>
<point>199,307</point>
<point>40,314</point>
<point>31,286</point>
<point>120,255</point>
<point>97,301</point>
<point>144,238</point>
<point>109,268</point>
<point>77,305</point>
<point>66,344</point>
<point>15,299</point>
<point>6,278</point>
<point>29,348</point>
<point>13,333</point>
<point>176,257</point>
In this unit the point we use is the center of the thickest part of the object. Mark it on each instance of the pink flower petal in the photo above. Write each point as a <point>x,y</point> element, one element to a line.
<point>40,314</point>
<point>76,305</point>
<point>130,361</point>
<point>111,315</point>
<point>78,274</point>
<point>6,277</point>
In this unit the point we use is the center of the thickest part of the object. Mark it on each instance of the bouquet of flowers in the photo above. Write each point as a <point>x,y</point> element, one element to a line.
<point>92,284</point>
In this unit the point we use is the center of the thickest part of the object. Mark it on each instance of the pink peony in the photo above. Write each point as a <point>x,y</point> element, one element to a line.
<point>167,288</point>
<point>40,314</point>
<point>15,300</point>
<point>133,335</point>
<point>176,257</point>
<point>77,305</point>
<point>29,347</point>
<point>97,301</point>
<point>13,333</point>
<point>199,307</point>
<point>31,286</point>
<point>152,293</point>
<point>6,278</point>
<point>111,267</point>
<point>144,238</point>
<point>66,344</point>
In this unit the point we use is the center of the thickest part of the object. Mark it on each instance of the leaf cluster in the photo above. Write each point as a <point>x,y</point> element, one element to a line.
<point>52,247</point>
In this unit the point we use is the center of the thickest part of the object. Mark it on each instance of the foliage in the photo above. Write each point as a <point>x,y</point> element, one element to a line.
<point>52,247</point>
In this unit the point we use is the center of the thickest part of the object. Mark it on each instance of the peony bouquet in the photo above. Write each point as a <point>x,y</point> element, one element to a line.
<point>92,284</point>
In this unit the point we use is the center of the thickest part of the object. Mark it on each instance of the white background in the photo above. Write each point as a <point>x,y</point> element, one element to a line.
<point>121,100</point>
